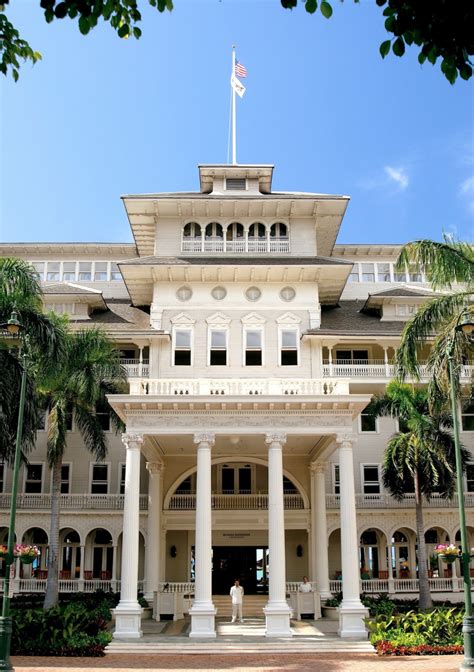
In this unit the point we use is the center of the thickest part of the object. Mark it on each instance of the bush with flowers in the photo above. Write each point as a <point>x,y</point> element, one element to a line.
<point>26,553</point>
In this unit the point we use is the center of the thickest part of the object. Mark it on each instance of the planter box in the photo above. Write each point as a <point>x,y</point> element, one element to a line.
<point>332,613</point>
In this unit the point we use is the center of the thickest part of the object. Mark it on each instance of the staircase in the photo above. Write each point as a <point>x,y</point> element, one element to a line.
<point>253,605</point>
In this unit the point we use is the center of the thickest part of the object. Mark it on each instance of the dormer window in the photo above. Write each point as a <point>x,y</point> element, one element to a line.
<point>236,184</point>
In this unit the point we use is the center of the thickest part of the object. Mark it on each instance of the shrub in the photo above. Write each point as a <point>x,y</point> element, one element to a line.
<point>379,605</point>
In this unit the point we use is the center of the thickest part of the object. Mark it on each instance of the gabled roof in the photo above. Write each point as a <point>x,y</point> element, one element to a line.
<point>73,293</point>
<point>413,294</point>
<point>346,319</point>
<point>68,288</point>
<point>224,260</point>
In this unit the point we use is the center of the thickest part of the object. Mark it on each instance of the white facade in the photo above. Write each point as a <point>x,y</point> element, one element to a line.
<point>253,343</point>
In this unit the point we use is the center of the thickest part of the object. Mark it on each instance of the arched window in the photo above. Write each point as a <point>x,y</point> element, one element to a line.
<point>279,241</point>
<point>192,236</point>
<point>257,238</point>
<point>279,230</point>
<point>214,238</point>
<point>235,238</point>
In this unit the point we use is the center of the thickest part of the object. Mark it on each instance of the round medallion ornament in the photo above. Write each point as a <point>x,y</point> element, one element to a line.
<point>184,293</point>
<point>219,293</point>
<point>287,294</point>
<point>253,293</point>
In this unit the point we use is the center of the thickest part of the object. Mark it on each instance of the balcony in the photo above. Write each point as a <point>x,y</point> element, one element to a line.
<point>135,368</point>
<point>238,387</point>
<point>376,368</point>
<point>250,502</point>
<point>386,501</point>
<point>237,246</point>
<point>391,586</point>
<point>73,502</point>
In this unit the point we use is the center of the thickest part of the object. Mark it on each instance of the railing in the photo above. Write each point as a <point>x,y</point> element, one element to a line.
<point>191,245</point>
<point>72,502</point>
<point>402,585</point>
<point>292,586</point>
<point>386,501</point>
<point>257,501</point>
<point>376,368</point>
<point>71,585</point>
<point>136,370</point>
<point>216,245</point>
<point>238,387</point>
<point>238,246</point>
<point>185,587</point>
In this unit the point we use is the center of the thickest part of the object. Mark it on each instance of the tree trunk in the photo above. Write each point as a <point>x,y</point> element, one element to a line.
<point>425,596</point>
<point>52,586</point>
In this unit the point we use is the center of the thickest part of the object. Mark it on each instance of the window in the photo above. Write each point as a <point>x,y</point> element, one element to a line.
<point>53,270</point>
<point>103,416</point>
<point>383,272</point>
<point>122,478</point>
<point>2,476</point>
<point>114,272</point>
<point>253,347</point>
<point>402,426</point>
<point>39,269</point>
<point>41,421</point>
<point>100,271</point>
<point>470,477</point>
<point>65,479</point>
<point>356,356</point>
<point>289,488</point>
<point>368,274</point>
<point>236,479</point>
<point>85,270</point>
<point>370,479</point>
<point>218,347</point>
<point>414,274</point>
<point>182,347</point>
<point>100,479</point>
<point>69,420</point>
<point>467,417</point>
<point>236,183</point>
<point>69,270</point>
<point>289,347</point>
<point>354,276</point>
<point>186,486</point>
<point>34,478</point>
<point>367,422</point>
<point>399,276</point>
<point>335,479</point>
<point>405,310</point>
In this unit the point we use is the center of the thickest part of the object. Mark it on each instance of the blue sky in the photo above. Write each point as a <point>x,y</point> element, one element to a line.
<point>100,117</point>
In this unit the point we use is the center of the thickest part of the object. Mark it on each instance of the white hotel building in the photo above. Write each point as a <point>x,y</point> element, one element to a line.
<point>253,342</point>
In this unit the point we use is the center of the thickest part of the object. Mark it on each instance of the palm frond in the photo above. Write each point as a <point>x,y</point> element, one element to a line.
<point>444,263</point>
<point>91,431</point>
<point>57,428</point>
<point>18,278</point>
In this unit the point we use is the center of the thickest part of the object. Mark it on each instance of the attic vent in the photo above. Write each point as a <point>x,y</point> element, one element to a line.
<point>236,183</point>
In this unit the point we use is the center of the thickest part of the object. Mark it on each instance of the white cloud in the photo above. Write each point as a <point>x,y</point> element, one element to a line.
<point>466,191</point>
<point>398,175</point>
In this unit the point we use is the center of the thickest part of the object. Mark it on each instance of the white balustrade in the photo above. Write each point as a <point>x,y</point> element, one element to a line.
<point>132,367</point>
<point>292,586</point>
<point>236,246</point>
<point>376,368</point>
<point>187,502</point>
<point>238,387</point>
<point>375,586</point>
<point>386,501</point>
<point>72,502</point>
<point>185,587</point>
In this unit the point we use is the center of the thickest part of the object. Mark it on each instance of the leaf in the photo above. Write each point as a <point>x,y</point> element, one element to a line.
<point>289,4</point>
<point>421,58</point>
<point>398,47</point>
<point>385,48</point>
<point>326,9</point>
<point>311,6</point>
<point>465,71</point>
<point>124,30</point>
<point>60,10</point>
<point>137,33</point>
<point>84,25</point>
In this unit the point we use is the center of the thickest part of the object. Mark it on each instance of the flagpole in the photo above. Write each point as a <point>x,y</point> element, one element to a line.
<point>234,132</point>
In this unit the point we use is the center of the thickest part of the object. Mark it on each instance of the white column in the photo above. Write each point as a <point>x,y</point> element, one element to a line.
<point>385,359</point>
<point>140,361</point>
<point>319,533</point>
<point>277,612</point>
<point>113,578</point>
<point>153,545</point>
<point>351,612</point>
<point>330,359</point>
<point>203,612</point>
<point>128,612</point>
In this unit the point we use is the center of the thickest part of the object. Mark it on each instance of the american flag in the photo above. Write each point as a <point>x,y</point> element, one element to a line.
<point>240,70</point>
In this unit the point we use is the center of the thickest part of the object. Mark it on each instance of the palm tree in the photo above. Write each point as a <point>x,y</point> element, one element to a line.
<point>419,458</point>
<point>89,369</point>
<point>20,291</point>
<point>445,264</point>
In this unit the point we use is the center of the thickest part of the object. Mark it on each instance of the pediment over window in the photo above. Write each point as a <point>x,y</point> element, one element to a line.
<point>288,318</point>
<point>182,319</point>
<point>253,318</point>
<point>218,318</point>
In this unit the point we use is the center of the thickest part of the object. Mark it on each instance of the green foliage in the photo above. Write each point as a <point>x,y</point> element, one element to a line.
<point>379,605</point>
<point>442,627</point>
<point>13,49</point>
<point>76,629</point>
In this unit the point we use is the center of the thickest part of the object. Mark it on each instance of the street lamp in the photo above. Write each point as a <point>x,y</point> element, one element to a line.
<point>14,328</point>
<point>466,325</point>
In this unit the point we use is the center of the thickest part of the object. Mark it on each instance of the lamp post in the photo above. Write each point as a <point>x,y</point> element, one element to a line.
<point>14,328</point>
<point>466,325</point>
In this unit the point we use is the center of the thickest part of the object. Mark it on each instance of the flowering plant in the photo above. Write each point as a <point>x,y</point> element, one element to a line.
<point>448,550</point>
<point>26,553</point>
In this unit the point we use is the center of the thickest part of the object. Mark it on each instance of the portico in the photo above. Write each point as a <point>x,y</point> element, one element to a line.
<point>270,429</point>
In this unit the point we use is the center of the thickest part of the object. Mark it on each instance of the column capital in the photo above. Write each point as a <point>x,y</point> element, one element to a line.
<point>155,467</point>
<point>346,440</point>
<point>318,467</point>
<point>204,437</point>
<point>132,439</point>
<point>275,437</point>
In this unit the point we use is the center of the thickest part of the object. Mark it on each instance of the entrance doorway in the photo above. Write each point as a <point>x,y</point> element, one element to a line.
<point>246,563</point>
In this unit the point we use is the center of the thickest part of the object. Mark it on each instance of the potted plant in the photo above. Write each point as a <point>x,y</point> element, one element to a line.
<point>26,553</point>
<point>3,551</point>
<point>448,553</point>
<point>330,609</point>
<point>434,567</point>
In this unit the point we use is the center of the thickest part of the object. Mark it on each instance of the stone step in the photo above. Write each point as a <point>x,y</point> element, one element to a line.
<point>295,645</point>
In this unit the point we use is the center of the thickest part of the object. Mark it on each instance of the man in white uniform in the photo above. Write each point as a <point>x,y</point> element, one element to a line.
<point>237,595</point>
<point>305,587</point>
